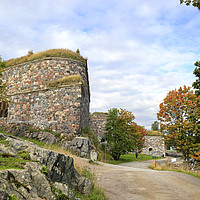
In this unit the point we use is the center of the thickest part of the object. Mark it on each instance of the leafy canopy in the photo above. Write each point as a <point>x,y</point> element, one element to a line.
<point>122,134</point>
<point>155,126</point>
<point>179,119</point>
<point>196,72</point>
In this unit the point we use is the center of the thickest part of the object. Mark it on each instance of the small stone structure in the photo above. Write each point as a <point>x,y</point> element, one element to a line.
<point>154,145</point>
<point>38,98</point>
<point>97,122</point>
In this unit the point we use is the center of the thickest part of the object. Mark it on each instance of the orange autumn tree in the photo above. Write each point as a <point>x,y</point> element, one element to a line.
<point>179,118</point>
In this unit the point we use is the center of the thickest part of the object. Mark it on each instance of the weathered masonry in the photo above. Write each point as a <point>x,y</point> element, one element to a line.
<point>49,93</point>
<point>154,145</point>
<point>97,123</point>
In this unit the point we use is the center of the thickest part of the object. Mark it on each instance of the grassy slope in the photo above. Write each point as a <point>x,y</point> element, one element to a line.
<point>16,162</point>
<point>62,53</point>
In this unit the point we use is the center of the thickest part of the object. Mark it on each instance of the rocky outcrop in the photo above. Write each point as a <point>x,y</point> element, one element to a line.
<point>79,145</point>
<point>27,131</point>
<point>58,178</point>
<point>83,147</point>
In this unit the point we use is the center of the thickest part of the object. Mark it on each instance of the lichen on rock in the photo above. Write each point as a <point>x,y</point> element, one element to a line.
<point>31,183</point>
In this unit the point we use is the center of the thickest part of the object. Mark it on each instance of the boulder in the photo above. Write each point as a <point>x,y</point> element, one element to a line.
<point>83,147</point>
<point>93,155</point>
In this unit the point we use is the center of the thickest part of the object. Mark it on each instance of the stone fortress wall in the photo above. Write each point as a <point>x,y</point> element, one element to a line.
<point>97,122</point>
<point>154,145</point>
<point>63,109</point>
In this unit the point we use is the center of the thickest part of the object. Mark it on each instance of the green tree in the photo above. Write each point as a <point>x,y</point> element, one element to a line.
<point>195,3</point>
<point>196,72</point>
<point>155,126</point>
<point>179,118</point>
<point>122,134</point>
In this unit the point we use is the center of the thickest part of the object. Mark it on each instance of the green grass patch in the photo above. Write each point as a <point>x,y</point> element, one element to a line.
<point>96,194</point>
<point>131,158</point>
<point>32,130</point>
<point>189,173</point>
<point>40,144</point>
<point>17,162</point>
<point>8,161</point>
<point>100,113</point>
<point>61,53</point>
<point>4,142</point>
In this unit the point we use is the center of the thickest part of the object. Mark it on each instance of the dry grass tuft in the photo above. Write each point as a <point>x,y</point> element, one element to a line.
<point>62,53</point>
<point>154,133</point>
<point>67,80</point>
<point>173,167</point>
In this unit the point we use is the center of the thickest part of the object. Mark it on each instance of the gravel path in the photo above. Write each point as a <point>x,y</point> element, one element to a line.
<point>134,181</point>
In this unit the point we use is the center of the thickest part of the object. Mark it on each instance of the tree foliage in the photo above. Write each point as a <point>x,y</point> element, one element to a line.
<point>122,134</point>
<point>155,126</point>
<point>179,116</point>
<point>195,3</point>
<point>196,72</point>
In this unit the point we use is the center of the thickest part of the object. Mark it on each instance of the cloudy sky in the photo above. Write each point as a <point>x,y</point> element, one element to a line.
<point>137,50</point>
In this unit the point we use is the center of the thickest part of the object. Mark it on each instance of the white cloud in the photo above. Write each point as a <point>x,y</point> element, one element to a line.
<point>137,51</point>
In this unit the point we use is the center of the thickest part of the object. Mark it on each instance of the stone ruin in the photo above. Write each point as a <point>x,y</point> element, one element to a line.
<point>49,93</point>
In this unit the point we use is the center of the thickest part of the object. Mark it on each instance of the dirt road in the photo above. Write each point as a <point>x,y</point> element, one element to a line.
<point>134,181</point>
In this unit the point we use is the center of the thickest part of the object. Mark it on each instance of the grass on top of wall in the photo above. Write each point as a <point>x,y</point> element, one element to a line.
<point>103,113</point>
<point>153,133</point>
<point>67,80</point>
<point>62,53</point>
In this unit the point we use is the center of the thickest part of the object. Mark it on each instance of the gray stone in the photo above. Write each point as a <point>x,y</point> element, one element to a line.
<point>35,100</point>
<point>21,184</point>
<point>93,155</point>
<point>65,190</point>
<point>83,147</point>
<point>2,136</point>
<point>7,150</point>
<point>30,183</point>
<point>85,186</point>
<point>4,195</point>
